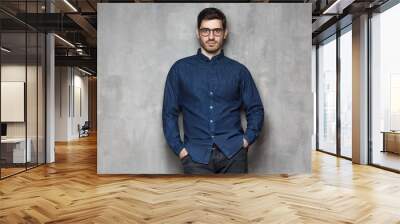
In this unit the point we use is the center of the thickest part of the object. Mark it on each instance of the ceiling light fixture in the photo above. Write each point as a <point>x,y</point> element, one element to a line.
<point>5,49</point>
<point>86,72</point>
<point>331,7</point>
<point>79,51</point>
<point>70,5</point>
<point>337,7</point>
<point>64,40</point>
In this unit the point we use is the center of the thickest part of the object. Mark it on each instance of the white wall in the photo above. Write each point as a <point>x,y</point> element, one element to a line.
<point>33,126</point>
<point>17,73</point>
<point>12,73</point>
<point>79,117</point>
<point>69,84</point>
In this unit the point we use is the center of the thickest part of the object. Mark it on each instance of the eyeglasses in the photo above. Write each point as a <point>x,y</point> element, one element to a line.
<point>205,32</point>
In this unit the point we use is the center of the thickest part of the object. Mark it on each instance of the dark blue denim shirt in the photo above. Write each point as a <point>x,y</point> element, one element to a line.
<point>210,94</point>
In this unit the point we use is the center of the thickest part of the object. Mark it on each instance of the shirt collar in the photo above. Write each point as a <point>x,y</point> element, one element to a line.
<point>205,58</point>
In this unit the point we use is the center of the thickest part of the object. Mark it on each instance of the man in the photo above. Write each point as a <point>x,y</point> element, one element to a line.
<point>209,89</point>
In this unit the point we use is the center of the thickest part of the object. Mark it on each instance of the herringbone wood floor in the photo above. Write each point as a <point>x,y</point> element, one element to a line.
<point>70,191</point>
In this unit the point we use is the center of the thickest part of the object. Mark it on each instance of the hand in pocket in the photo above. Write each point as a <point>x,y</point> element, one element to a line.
<point>183,153</point>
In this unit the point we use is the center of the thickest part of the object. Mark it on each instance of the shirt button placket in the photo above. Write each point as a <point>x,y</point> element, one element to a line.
<point>213,85</point>
<point>212,121</point>
<point>211,109</point>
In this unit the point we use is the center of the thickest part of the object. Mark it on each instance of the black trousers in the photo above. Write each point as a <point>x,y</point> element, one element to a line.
<point>219,163</point>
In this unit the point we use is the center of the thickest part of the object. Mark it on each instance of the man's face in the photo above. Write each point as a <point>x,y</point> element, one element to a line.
<point>211,35</point>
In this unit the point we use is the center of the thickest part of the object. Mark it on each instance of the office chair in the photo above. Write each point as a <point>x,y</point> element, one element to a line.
<point>84,130</point>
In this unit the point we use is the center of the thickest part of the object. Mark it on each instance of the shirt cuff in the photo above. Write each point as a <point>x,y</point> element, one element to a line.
<point>178,148</point>
<point>250,136</point>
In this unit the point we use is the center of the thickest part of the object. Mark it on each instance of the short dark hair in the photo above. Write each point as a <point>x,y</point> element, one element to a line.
<point>209,14</point>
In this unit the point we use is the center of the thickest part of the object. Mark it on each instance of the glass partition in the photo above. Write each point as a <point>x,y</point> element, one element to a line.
<point>22,101</point>
<point>13,95</point>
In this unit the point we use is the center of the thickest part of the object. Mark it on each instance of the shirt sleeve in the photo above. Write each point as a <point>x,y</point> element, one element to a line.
<point>170,112</point>
<point>253,106</point>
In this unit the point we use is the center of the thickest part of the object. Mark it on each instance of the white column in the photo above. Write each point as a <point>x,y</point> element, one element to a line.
<point>50,91</point>
<point>360,90</point>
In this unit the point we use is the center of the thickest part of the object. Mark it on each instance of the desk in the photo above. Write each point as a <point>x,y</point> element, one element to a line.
<point>391,141</point>
<point>16,148</point>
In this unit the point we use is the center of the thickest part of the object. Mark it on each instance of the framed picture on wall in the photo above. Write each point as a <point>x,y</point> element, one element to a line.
<point>12,101</point>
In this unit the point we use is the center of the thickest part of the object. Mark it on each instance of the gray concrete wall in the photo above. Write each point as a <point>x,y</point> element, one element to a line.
<point>138,43</point>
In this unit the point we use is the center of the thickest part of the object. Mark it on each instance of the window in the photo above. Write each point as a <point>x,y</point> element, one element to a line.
<point>385,88</point>
<point>346,92</point>
<point>327,95</point>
